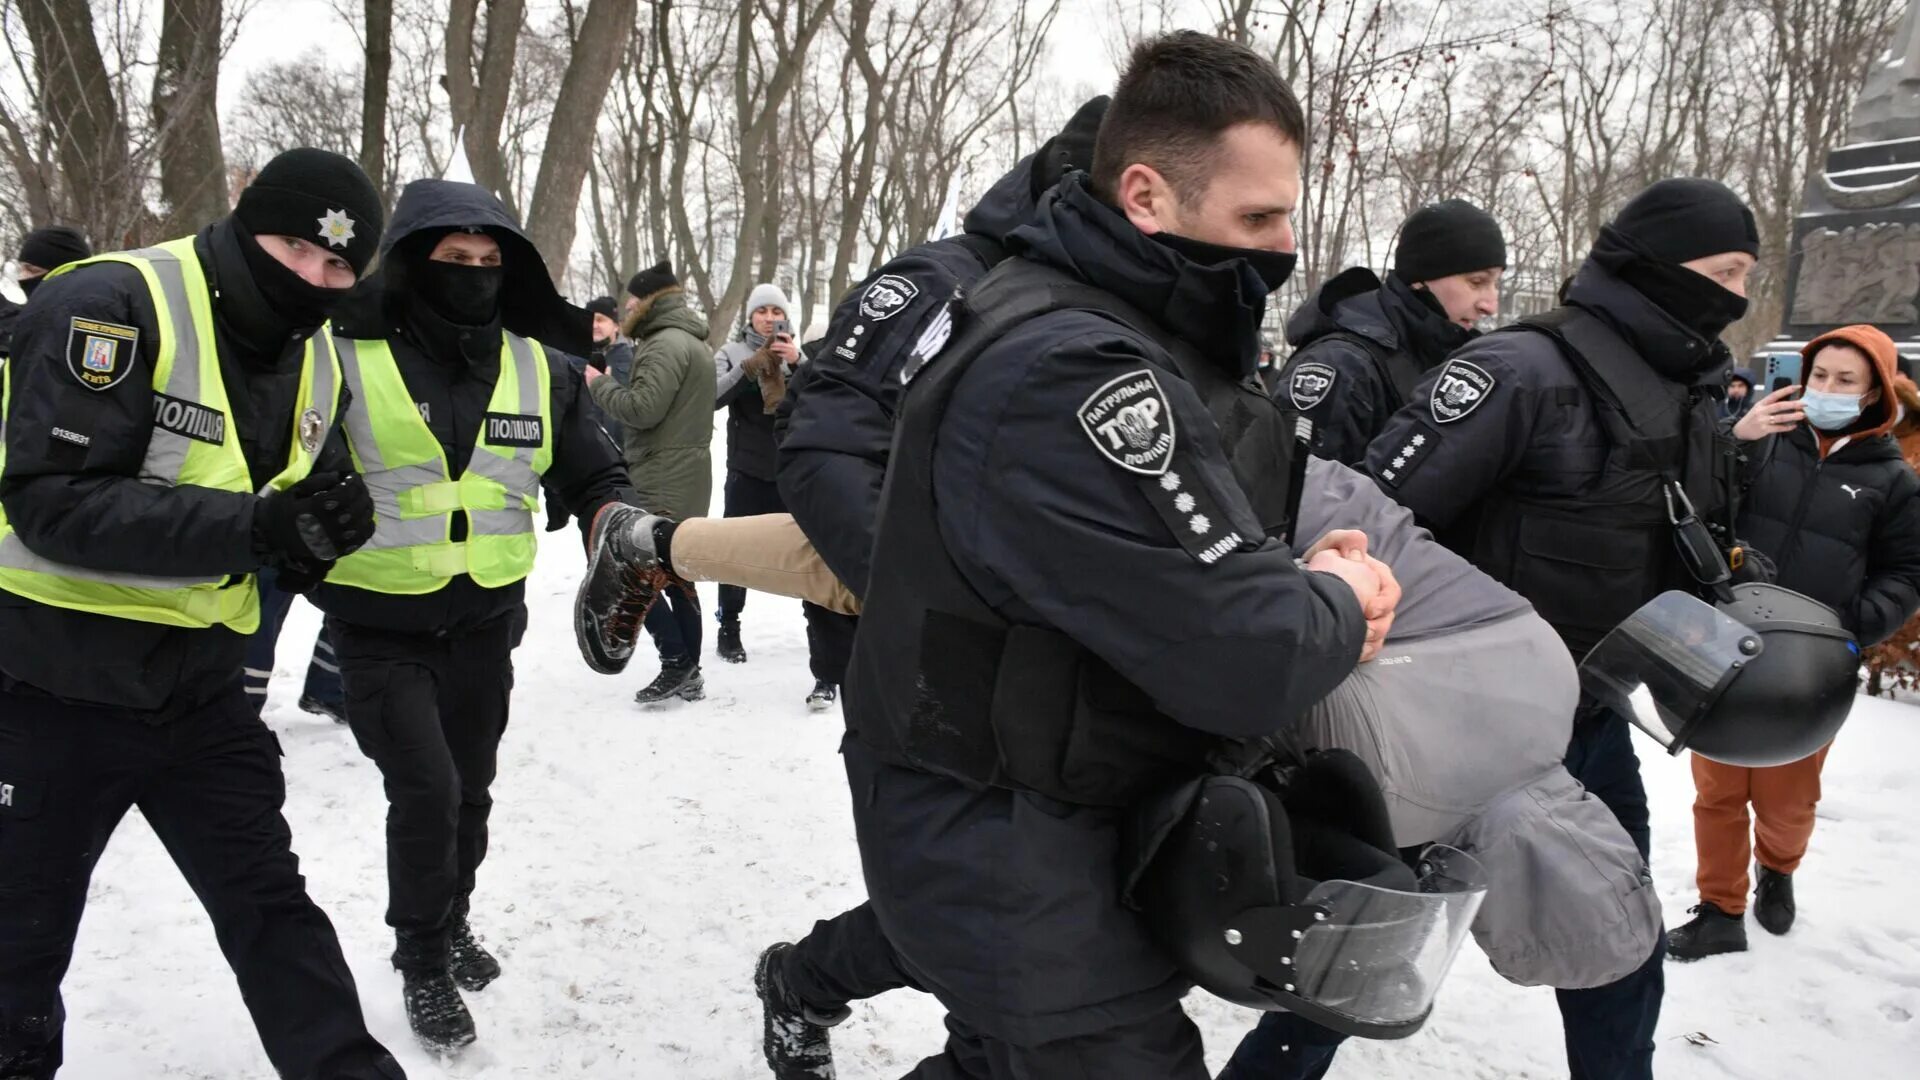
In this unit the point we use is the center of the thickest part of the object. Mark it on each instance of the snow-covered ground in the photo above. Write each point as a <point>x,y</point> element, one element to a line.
<point>641,859</point>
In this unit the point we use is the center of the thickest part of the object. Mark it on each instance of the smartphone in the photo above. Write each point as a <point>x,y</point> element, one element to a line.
<point>782,328</point>
<point>1783,369</point>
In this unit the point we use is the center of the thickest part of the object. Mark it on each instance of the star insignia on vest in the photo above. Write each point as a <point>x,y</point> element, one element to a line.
<point>887,296</point>
<point>1199,524</point>
<point>336,228</point>
<point>1131,424</point>
<point>1170,482</point>
<point>313,427</point>
<point>1183,502</point>
<point>1461,388</point>
<point>1310,383</point>
<point>99,354</point>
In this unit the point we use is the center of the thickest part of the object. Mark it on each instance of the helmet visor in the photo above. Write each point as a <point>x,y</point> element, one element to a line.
<point>1684,651</point>
<point>1375,962</point>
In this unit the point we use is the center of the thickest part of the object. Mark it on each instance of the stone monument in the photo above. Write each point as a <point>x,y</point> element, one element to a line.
<point>1855,250</point>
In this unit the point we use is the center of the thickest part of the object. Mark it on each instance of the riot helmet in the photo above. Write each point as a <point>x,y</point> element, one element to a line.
<point>1762,679</point>
<point>1284,891</point>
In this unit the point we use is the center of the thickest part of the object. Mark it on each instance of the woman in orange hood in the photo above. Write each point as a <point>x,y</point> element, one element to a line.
<point>1831,499</point>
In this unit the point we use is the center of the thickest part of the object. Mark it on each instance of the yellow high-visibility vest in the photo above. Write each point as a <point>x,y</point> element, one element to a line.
<point>193,443</point>
<point>414,494</point>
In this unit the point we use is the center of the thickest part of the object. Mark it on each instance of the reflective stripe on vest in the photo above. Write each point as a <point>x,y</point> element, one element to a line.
<point>414,496</point>
<point>187,369</point>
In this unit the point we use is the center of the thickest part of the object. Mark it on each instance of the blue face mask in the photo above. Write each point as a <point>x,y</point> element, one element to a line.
<point>1830,412</point>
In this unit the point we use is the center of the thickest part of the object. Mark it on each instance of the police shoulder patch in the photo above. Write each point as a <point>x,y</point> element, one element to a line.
<point>887,296</point>
<point>1131,423</point>
<point>1461,388</point>
<point>99,354</point>
<point>1309,384</point>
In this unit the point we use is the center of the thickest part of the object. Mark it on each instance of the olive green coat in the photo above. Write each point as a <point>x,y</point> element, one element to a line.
<point>667,410</point>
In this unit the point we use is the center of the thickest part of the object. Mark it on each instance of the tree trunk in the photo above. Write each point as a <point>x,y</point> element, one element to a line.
<point>186,116</point>
<point>76,97</point>
<point>480,107</point>
<point>757,120</point>
<point>569,147</point>
<point>373,102</point>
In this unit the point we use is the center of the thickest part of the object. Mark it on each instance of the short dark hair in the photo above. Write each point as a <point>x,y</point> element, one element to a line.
<point>1178,94</point>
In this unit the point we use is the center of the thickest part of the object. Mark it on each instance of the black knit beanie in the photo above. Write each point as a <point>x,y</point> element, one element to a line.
<point>54,246</point>
<point>652,280</point>
<point>604,305</point>
<point>1677,221</point>
<point>1447,238</point>
<point>317,196</point>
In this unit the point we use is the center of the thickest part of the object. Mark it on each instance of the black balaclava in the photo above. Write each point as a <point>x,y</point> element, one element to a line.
<point>27,285</point>
<point>467,295</point>
<point>315,196</point>
<point>1273,268</point>
<point>1674,222</point>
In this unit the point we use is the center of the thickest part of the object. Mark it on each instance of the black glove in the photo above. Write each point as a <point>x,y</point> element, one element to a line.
<point>322,518</point>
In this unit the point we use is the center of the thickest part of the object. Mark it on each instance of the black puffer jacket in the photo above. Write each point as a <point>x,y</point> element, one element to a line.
<point>1845,530</point>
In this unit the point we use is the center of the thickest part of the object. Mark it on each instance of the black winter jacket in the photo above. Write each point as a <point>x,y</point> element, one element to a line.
<point>70,487</point>
<point>835,428</point>
<point>1353,340</point>
<point>451,371</point>
<point>1844,530</point>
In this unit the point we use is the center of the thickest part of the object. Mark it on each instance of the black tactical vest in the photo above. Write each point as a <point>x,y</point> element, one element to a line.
<point>1588,560</point>
<point>1399,373</point>
<point>939,680</point>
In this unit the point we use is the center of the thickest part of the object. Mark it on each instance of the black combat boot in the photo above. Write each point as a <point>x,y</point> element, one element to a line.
<point>435,1011</point>
<point>678,680</point>
<point>468,961</point>
<point>1709,933</point>
<point>795,1037</point>
<point>730,648</point>
<point>1773,901</point>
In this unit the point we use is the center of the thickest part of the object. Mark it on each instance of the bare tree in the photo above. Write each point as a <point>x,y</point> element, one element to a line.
<point>186,118</point>
<point>570,137</point>
<point>376,72</point>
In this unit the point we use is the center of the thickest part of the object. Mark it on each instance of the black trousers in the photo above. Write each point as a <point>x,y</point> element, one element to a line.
<point>674,622</point>
<point>430,712</point>
<point>210,785</point>
<point>829,634</point>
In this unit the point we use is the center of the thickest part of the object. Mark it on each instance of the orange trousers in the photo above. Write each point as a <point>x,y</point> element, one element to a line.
<point>1783,798</point>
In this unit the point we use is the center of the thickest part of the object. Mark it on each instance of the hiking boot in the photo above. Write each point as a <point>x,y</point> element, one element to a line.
<point>1710,933</point>
<point>1773,901</point>
<point>795,1037</point>
<point>331,710</point>
<point>435,1011</point>
<point>730,648</point>
<point>623,578</point>
<point>823,696</point>
<point>678,679</point>
<point>468,961</point>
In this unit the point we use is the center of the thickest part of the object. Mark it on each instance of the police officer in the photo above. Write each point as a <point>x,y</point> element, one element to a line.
<point>1089,523</point>
<point>834,432</point>
<point>463,403</point>
<point>1360,344</point>
<point>42,250</point>
<point>164,408</point>
<point>1557,455</point>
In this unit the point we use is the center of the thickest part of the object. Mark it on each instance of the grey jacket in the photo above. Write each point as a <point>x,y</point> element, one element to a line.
<point>1464,719</point>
